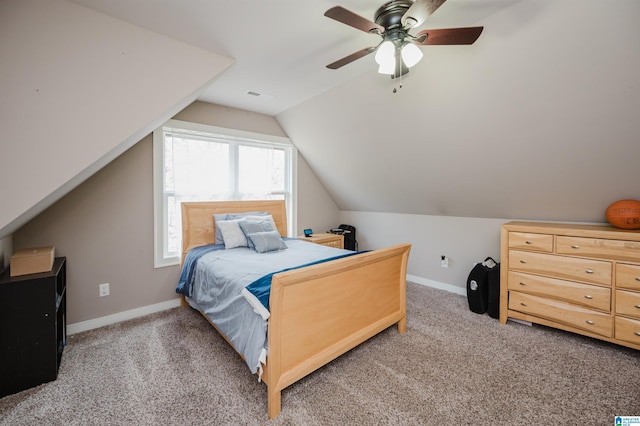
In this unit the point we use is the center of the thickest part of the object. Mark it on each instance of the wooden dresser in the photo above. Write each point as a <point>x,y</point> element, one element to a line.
<point>579,278</point>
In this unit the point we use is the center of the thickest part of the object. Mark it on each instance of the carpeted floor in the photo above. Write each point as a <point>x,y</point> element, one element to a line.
<point>452,367</point>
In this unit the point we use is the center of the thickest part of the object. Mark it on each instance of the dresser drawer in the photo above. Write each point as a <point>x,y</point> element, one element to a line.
<point>587,295</point>
<point>628,276</point>
<point>583,270</point>
<point>628,303</point>
<point>628,330</point>
<point>527,241</point>
<point>565,313</point>
<point>599,248</point>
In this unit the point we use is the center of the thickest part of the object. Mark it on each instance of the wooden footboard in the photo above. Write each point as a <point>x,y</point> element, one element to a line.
<point>322,311</point>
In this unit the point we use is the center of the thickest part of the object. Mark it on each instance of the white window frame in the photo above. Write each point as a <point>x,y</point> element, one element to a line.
<point>161,259</point>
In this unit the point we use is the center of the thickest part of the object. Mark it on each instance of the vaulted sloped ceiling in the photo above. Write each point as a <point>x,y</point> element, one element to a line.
<point>77,89</point>
<point>539,119</point>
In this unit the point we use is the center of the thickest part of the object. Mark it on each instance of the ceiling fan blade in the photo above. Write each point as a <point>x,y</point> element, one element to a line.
<point>419,11</point>
<point>350,58</point>
<point>448,36</point>
<point>345,16</point>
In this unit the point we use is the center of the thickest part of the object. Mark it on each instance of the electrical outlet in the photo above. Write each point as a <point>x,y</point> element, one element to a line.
<point>444,261</point>
<point>104,289</point>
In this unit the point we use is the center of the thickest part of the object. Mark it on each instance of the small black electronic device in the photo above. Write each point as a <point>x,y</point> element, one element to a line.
<point>308,232</point>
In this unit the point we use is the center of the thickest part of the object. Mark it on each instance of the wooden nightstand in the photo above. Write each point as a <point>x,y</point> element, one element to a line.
<point>326,239</point>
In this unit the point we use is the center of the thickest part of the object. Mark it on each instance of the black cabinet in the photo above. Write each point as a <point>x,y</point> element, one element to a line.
<point>32,327</point>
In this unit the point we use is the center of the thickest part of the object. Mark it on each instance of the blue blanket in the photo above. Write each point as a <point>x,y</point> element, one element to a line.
<point>186,275</point>
<point>261,288</point>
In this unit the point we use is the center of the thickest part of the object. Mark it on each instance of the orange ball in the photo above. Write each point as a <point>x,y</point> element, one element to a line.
<point>624,214</point>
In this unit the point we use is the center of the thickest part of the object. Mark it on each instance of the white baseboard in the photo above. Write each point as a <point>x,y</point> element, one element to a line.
<point>121,316</point>
<point>437,284</point>
<point>146,310</point>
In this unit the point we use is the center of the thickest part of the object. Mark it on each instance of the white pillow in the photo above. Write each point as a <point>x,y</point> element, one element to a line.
<point>233,216</point>
<point>217,218</point>
<point>232,235</point>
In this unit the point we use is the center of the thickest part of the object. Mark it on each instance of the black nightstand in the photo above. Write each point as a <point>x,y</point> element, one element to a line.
<point>32,327</point>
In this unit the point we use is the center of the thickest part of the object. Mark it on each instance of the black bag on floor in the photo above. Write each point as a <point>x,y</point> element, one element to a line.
<point>493,304</point>
<point>349,233</point>
<point>478,285</point>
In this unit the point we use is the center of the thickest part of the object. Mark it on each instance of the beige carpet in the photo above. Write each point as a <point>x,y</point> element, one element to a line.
<point>452,367</point>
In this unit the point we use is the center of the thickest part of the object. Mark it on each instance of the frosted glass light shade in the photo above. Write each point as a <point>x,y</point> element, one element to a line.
<point>411,54</point>
<point>386,55</point>
<point>388,68</point>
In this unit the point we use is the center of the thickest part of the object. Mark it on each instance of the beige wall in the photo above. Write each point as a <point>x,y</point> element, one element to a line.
<point>464,240</point>
<point>105,226</point>
<point>71,75</point>
<point>316,208</point>
<point>533,121</point>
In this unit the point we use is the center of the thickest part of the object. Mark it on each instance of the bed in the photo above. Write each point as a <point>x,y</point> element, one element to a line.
<point>315,313</point>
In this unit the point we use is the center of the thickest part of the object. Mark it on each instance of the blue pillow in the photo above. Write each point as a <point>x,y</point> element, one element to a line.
<point>230,216</point>
<point>253,226</point>
<point>267,241</point>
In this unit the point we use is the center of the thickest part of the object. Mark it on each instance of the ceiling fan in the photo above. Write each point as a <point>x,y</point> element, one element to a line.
<point>398,51</point>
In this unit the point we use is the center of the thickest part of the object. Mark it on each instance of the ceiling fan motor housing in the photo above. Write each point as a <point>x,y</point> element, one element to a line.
<point>389,15</point>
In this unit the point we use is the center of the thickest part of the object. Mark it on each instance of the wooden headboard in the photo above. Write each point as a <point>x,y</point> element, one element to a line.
<point>197,219</point>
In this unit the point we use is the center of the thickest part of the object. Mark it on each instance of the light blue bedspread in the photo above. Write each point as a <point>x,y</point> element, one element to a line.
<point>219,277</point>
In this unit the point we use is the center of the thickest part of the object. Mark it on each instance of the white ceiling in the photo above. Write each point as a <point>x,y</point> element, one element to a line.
<point>280,47</point>
<point>536,120</point>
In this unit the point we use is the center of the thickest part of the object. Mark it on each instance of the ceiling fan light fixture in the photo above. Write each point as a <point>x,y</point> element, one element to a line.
<point>386,57</point>
<point>411,54</point>
<point>392,21</point>
<point>388,68</point>
<point>386,53</point>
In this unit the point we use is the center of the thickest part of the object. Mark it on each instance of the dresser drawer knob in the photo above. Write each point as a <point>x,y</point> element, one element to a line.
<point>589,271</point>
<point>588,296</point>
<point>528,242</point>
<point>590,322</point>
<point>521,283</point>
<point>574,246</point>
<point>637,333</point>
<point>523,304</point>
<point>523,261</point>
<point>637,278</point>
<point>637,306</point>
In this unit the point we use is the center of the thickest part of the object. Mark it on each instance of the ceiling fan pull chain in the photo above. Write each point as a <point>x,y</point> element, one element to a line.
<point>398,72</point>
<point>394,76</point>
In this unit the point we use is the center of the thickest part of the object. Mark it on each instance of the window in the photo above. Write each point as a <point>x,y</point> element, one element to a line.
<point>194,162</point>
